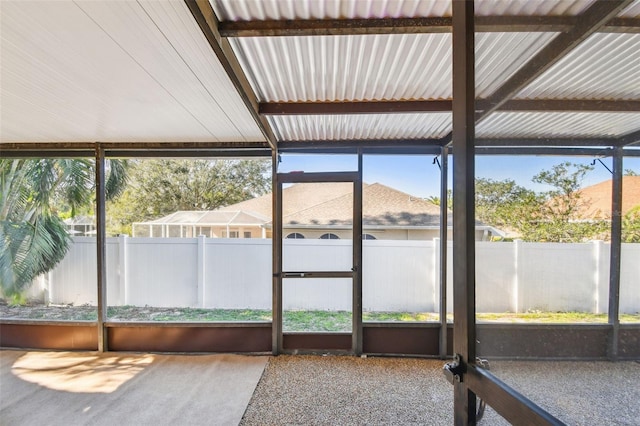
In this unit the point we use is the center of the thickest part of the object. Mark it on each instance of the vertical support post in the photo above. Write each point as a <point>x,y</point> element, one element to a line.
<point>356,335</point>
<point>123,255</point>
<point>444,231</point>
<point>616,250</point>
<point>463,205</point>
<point>597,256</point>
<point>515,292</point>
<point>201,271</point>
<point>276,246</point>
<point>101,238</point>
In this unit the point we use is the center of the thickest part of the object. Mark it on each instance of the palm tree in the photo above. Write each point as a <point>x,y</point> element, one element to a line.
<point>32,234</point>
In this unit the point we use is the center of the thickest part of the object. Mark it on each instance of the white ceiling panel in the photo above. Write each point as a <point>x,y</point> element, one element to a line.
<point>364,126</point>
<point>113,71</point>
<point>605,66</point>
<point>560,125</point>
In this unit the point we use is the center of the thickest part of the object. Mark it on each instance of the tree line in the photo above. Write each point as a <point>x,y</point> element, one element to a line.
<point>554,215</point>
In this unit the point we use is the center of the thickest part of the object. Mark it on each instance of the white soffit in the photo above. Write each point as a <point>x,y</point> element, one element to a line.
<point>560,125</point>
<point>605,66</point>
<point>362,126</point>
<point>375,67</point>
<point>114,72</point>
<point>246,10</point>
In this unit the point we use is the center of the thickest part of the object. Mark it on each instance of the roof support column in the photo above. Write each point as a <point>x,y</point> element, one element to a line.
<point>101,238</point>
<point>616,249</point>
<point>356,332</point>
<point>463,205</point>
<point>444,231</point>
<point>276,247</point>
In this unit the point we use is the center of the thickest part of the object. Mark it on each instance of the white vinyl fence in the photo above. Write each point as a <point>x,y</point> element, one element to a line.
<point>397,275</point>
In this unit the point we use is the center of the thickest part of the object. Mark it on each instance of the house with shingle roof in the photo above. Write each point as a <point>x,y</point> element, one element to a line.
<point>315,210</point>
<point>596,199</point>
<point>212,224</point>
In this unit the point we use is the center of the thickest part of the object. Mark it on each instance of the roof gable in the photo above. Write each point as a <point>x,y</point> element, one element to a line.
<point>596,199</point>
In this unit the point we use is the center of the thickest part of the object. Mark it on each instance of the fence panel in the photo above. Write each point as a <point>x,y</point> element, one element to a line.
<point>74,279</point>
<point>163,272</point>
<point>556,277</point>
<point>398,276</point>
<point>496,277</point>
<point>630,279</point>
<point>238,273</point>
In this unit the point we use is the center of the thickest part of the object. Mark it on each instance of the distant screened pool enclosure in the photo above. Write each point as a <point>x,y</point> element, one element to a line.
<point>358,84</point>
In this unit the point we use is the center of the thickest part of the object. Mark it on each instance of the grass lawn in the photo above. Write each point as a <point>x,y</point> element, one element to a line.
<point>292,320</point>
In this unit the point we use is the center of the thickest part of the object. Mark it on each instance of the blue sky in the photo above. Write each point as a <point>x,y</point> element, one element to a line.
<point>417,175</point>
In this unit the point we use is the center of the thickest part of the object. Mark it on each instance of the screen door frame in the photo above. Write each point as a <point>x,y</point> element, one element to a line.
<point>356,270</point>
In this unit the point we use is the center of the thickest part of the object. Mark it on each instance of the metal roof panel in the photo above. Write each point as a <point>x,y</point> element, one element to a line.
<point>245,10</point>
<point>632,11</point>
<point>348,67</point>
<point>365,126</point>
<point>554,124</point>
<point>605,66</point>
<point>375,67</point>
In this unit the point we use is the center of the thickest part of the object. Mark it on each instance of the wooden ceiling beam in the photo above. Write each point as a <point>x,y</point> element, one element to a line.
<point>339,108</point>
<point>324,27</point>
<point>209,25</point>
<point>336,27</point>
<point>622,25</point>
<point>546,142</point>
<point>444,105</point>
<point>566,105</point>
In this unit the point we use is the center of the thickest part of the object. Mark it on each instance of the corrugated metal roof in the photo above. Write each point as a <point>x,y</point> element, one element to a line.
<point>632,11</point>
<point>114,71</point>
<point>531,7</point>
<point>365,126</point>
<point>500,55</point>
<point>243,10</point>
<point>605,66</point>
<point>348,67</point>
<point>235,10</point>
<point>556,124</point>
<point>375,67</point>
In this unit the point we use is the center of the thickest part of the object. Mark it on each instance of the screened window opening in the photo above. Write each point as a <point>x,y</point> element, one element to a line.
<point>329,236</point>
<point>295,236</point>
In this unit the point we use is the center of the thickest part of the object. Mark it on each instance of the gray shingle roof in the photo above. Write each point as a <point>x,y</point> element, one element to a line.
<point>322,205</point>
<point>382,206</point>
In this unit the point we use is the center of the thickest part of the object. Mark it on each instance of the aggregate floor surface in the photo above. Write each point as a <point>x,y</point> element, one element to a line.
<point>86,388</point>
<point>316,390</point>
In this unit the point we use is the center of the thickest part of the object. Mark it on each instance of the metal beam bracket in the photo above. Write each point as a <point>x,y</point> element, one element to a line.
<point>453,370</point>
